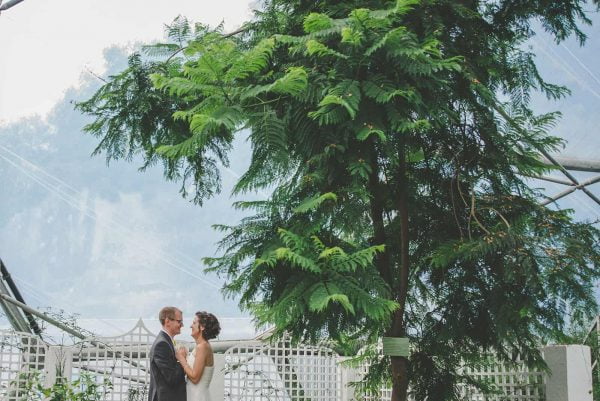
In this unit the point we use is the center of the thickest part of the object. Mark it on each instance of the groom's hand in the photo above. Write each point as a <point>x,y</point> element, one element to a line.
<point>181,352</point>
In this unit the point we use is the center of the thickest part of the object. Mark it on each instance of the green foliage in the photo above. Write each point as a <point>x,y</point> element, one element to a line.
<point>84,388</point>
<point>398,204</point>
<point>313,202</point>
<point>322,282</point>
<point>315,22</point>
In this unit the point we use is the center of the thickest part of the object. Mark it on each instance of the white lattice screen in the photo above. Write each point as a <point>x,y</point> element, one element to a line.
<point>281,371</point>
<point>124,359</point>
<point>385,393</point>
<point>21,355</point>
<point>253,371</point>
<point>514,382</point>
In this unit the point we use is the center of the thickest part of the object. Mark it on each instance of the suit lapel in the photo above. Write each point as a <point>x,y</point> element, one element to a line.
<point>168,340</point>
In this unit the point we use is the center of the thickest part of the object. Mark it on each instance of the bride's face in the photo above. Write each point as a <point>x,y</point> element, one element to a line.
<point>195,327</point>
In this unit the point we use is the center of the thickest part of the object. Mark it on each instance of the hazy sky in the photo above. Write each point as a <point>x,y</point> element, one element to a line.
<point>46,45</point>
<point>109,244</point>
<point>113,244</point>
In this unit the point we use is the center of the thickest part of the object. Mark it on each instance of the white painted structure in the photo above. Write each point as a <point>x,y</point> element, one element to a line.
<point>260,371</point>
<point>571,377</point>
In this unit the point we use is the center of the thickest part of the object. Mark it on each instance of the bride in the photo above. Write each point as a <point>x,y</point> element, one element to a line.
<point>199,364</point>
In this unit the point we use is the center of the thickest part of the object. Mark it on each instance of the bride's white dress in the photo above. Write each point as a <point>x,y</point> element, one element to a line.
<point>199,391</point>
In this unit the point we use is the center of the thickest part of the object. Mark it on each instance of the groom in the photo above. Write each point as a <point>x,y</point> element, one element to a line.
<point>167,379</point>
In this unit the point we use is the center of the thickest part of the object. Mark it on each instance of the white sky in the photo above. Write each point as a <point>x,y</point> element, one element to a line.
<point>46,45</point>
<point>45,49</point>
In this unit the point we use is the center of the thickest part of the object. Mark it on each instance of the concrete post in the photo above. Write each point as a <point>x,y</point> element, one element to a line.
<point>349,375</point>
<point>58,360</point>
<point>571,373</point>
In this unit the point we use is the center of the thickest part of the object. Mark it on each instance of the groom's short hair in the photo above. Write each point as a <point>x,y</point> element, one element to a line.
<point>167,312</point>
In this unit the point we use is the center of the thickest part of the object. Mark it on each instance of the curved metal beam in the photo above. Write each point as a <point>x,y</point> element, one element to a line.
<point>9,4</point>
<point>576,164</point>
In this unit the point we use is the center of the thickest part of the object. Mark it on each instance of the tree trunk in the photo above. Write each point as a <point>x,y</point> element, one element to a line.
<point>398,328</point>
<point>382,261</point>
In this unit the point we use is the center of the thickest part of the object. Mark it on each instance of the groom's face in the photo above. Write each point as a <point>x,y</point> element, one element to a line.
<point>173,326</point>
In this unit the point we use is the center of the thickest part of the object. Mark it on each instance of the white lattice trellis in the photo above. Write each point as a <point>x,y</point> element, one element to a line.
<point>281,371</point>
<point>123,359</point>
<point>21,355</point>
<point>513,381</point>
<point>253,370</point>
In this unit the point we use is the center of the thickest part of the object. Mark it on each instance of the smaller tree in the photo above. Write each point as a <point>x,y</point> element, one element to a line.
<point>84,388</point>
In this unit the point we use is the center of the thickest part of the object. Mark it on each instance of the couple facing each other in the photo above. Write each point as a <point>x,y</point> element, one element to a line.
<point>169,367</point>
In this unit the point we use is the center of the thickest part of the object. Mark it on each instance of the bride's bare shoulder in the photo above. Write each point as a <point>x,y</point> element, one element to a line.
<point>204,346</point>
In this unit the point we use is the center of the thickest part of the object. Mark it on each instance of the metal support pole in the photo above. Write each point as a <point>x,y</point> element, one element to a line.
<point>576,164</point>
<point>16,319</point>
<point>550,179</point>
<point>66,328</point>
<point>552,160</point>
<point>42,316</point>
<point>9,4</point>
<point>571,189</point>
<point>15,291</point>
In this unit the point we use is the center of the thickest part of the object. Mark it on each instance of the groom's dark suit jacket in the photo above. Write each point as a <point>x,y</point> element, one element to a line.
<point>167,379</point>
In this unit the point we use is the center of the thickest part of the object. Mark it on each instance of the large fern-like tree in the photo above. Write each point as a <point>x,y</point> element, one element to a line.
<point>394,136</point>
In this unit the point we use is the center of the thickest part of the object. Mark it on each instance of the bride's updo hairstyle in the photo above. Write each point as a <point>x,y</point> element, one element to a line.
<point>212,328</point>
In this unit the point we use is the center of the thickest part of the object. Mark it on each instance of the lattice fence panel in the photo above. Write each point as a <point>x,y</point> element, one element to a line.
<point>282,371</point>
<point>21,355</point>
<point>123,360</point>
<point>385,392</point>
<point>514,382</point>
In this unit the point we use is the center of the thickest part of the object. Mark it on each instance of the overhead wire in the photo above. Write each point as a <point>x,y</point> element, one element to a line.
<point>44,298</point>
<point>564,67</point>
<point>79,194</point>
<point>107,222</point>
<point>76,192</point>
<point>551,54</point>
<point>581,64</point>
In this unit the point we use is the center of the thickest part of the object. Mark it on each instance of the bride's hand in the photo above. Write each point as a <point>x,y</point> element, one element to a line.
<point>181,353</point>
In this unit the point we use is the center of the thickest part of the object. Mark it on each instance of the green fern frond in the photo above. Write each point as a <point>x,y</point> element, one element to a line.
<point>382,90</point>
<point>293,83</point>
<point>360,168</point>
<point>179,31</point>
<point>270,260</point>
<point>161,50</point>
<point>352,36</point>
<point>293,241</point>
<point>316,48</point>
<point>180,86</point>
<point>270,131</point>
<point>314,202</point>
<point>324,293</point>
<point>252,62</point>
<point>365,132</point>
<point>405,6</point>
<point>329,252</point>
<point>318,244</point>
<point>347,95</point>
<point>399,36</point>
<point>295,259</point>
<point>316,22</point>
<point>228,117</point>
<point>360,259</point>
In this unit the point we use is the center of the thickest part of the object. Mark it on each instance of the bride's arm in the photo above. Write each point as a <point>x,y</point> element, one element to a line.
<point>194,373</point>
